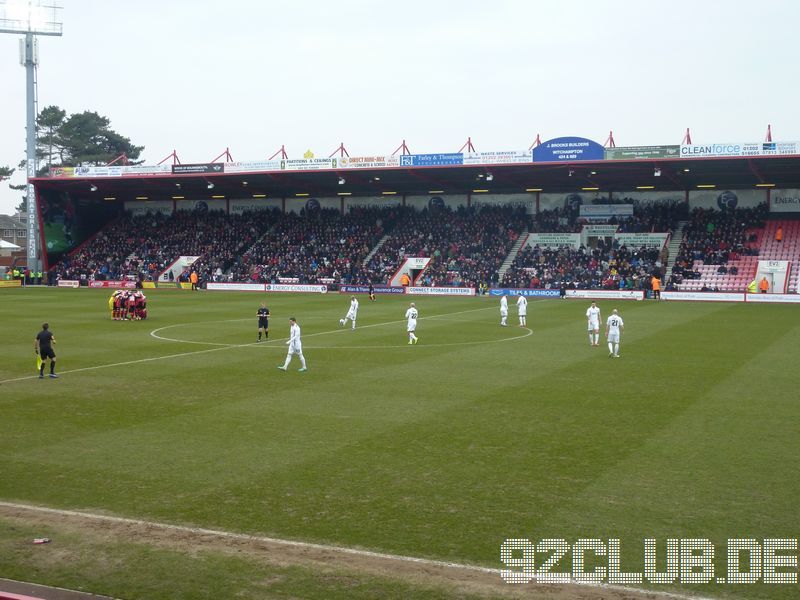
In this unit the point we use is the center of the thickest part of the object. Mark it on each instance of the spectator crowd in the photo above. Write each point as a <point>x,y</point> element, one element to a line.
<point>716,237</point>
<point>467,246</point>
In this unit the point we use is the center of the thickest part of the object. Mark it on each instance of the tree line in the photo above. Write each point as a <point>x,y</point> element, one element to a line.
<point>63,140</point>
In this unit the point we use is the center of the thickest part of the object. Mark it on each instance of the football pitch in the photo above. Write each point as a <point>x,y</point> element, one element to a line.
<point>440,450</point>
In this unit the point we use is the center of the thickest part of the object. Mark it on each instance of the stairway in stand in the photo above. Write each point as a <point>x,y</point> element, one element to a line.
<point>674,246</point>
<point>523,237</point>
<point>377,247</point>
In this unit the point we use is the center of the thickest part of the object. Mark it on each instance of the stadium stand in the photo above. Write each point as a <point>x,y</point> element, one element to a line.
<point>323,246</point>
<point>605,266</point>
<point>719,251</point>
<point>143,246</point>
<point>467,245</point>
<point>613,267</point>
<point>771,246</point>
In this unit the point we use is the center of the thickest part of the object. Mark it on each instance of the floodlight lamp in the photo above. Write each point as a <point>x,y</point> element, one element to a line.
<point>210,185</point>
<point>489,177</point>
<point>93,188</point>
<point>571,173</point>
<point>341,180</point>
<point>656,172</point>
<point>244,183</point>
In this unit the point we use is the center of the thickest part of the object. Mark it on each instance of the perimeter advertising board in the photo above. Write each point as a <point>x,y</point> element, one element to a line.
<point>774,298</point>
<point>651,196</point>
<point>642,152</point>
<point>142,207</point>
<point>368,162</point>
<point>237,207</point>
<point>308,164</point>
<point>351,202</point>
<point>253,166</point>
<point>432,160</point>
<point>130,285</point>
<point>605,211</point>
<point>198,168</point>
<point>434,202</point>
<point>734,149</point>
<point>378,289</point>
<point>637,240</point>
<point>296,287</point>
<point>528,292</point>
<point>704,296</point>
<point>570,200</point>
<point>554,240</point>
<point>497,158</point>
<point>726,199</point>
<point>526,201</point>
<point>201,206</point>
<point>440,291</point>
<point>781,201</point>
<point>606,294</point>
<point>568,149</point>
<point>310,205</point>
<point>236,287</point>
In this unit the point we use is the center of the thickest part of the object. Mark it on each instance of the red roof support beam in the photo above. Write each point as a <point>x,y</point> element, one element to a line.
<point>468,145</point>
<point>754,169</point>
<point>769,134</point>
<point>341,150</point>
<point>404,148</point>
<point>610,143</point>
<point>173,155</point>
<point>536,142</point>
<point>282,152</point>
<point>687,139</point>
<point>226,154</point>
<point>122,157</point>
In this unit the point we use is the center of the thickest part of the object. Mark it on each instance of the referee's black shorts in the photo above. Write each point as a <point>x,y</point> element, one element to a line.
<point>263,323</point>
<point>47,353</point>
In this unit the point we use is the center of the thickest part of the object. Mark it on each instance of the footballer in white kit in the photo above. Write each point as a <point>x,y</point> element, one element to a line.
<point>614,327</point>
<point>295,346</point>
<point>411,327</point>
<point>593,319</point>
<point>352,313</point>
<point>522,310</point>
<point>504,311</point>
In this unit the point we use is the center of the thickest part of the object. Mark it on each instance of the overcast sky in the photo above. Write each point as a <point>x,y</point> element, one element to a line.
<point>200,75</point>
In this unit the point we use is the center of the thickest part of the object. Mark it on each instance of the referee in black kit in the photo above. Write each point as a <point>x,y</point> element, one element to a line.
<point>44,348</point>
<point>263,321</point>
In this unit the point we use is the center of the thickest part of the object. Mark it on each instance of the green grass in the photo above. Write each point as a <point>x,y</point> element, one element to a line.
<point>441,450</point>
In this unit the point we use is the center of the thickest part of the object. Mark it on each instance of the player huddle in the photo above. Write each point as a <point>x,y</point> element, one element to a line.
<point>126,305</point>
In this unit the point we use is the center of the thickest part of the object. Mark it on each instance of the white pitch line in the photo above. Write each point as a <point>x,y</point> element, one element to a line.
<point>217,349</point>
<point>159,337</point>
<point>313,546</point>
